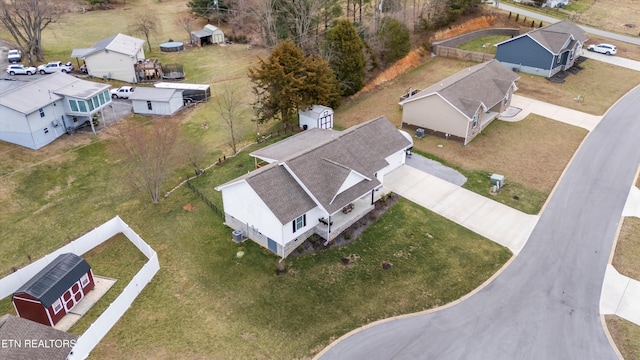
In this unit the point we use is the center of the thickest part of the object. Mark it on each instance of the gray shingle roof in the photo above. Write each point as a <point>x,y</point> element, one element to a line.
<point>323,166</point>
<point>483,84</point>
<point>295,144</point>
<point>555,36</point>
<point>120,43</point>
<point>50,283</point>
<point>14,329</point>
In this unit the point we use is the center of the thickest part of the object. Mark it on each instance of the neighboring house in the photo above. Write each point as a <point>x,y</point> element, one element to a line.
<point>33,114</point>
<point>48,296</point>
<point>555,3</point>
<point>156,101</point>
<point>22,339</point>
<point>319,181</point>
<point>113,58</point>
<point>318,116</point>
<point>544,51</point>
<point>207,36</point>
<point>460,106</point>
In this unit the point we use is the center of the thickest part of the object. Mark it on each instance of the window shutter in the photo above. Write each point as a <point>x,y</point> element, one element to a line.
<point>304,220</point>
<point>294,225</point>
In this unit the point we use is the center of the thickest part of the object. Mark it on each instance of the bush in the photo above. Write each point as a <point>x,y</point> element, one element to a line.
<point>393,40</point>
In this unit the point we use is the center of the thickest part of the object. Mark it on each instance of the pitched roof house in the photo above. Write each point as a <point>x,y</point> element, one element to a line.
<point>460,106</point>
<point>34,113</point>
<point>319,181</point>
<point>544,51</point>
<point>24,339</point>
<point>113,58</point>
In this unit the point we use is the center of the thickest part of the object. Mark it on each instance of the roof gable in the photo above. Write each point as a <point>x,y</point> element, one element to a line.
<point>54,279</point>
<point>120,43</point>
<point>484,84</point>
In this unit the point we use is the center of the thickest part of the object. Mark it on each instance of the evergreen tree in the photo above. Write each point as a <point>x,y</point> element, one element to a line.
<point>393,40</point>
<point>346,57</point>
<point>289,81</point>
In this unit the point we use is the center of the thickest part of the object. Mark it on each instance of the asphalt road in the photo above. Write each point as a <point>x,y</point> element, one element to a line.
<point>588,29</point>
<point>545,304</point>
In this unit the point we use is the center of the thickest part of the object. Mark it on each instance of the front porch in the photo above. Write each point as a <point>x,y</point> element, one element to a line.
<point>339,221</point>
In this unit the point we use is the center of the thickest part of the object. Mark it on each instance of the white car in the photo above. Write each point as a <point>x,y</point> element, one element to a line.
<point>55,66</point>
<point>603,49</point>
<point>20,70</point>
<point>121,92</point>
<point>14,56</point>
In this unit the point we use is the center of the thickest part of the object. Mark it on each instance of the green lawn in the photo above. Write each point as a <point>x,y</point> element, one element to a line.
<point>485,44</point>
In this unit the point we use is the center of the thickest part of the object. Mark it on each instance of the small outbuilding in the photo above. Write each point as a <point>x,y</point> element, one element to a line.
<point>190,92</point>
<point>207,36</point>
<point>318,116</point>
<point>156,101</point>
<point>48,296</point>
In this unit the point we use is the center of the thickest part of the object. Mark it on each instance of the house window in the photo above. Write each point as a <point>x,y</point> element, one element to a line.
<point>73,105</point>
<point>96,103</point>
<point>299,223</point>
<point>57,306</point>
<point>82,106</point>
<point>101,96</point>
<point>90,103</point>
<point>475,121</point>
<point>106,95</point>
<point>84,280</point>
<point>41,110</point>
<point>46,130</point>
<point>149,105</point>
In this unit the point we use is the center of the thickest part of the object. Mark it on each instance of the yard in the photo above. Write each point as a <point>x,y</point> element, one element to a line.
<point>205,302</point>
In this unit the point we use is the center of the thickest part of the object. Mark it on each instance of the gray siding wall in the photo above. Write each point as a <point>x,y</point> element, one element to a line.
<point>525,52</point>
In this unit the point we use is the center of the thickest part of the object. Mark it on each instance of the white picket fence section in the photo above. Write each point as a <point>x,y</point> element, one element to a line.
<point>87,341</point>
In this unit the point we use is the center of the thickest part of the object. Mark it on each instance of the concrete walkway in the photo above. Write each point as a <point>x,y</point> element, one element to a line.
<point>613,60</point>
<point>555,112</point>
<point>491,219</point>
<point>621,294</point>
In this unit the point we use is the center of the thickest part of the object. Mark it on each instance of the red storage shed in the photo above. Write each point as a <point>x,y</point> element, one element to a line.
<point>55,290</point>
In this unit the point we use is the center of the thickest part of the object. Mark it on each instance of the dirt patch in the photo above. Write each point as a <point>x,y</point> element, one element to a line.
<point>189,207</point>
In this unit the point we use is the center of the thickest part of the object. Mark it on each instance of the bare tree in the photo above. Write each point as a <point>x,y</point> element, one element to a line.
<point>25,20</point>
<point>149,152</point>
<point>185,22</point>
<point>229,107</point>
<point>147,24</point>
<point>264,13</point>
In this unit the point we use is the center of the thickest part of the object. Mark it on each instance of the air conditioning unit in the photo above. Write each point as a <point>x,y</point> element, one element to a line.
<point>237,235</point>
<point>420,133</point>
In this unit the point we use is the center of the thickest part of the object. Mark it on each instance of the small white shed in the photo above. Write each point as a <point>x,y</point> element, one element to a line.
<point>318,116</point>
<point>155,101</point>
<point>207,36</point>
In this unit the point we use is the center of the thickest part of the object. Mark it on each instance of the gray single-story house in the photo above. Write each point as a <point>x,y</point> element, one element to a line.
<point>544,51</point>
<point>156,101</point>
<point>460,106</point>
<point>34,113</point>
<point>113,58</point>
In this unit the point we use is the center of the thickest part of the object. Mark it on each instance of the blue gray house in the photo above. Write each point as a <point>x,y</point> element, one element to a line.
<point>544,51</point>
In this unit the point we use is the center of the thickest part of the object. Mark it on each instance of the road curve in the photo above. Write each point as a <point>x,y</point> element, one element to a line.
<point>545,305</point>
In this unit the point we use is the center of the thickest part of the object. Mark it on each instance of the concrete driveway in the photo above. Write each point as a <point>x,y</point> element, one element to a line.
<point>497,222</point>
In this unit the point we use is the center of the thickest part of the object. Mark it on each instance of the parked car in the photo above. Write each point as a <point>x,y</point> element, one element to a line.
<point>603,49</point>
<point>20,70</point>
<point>55,66</point>
<point>14,56</point>
<point>121,92</point>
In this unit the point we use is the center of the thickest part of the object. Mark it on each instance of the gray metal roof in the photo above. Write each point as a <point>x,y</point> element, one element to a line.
<point>50,283</point>
<point>202,33</point>
<point>120,43</point>
<point>36,94</point>
<point>483,84</point>
<point>152,94</point>
<point>19,329</point>
<point>295,144</point>
<point>323,167</point>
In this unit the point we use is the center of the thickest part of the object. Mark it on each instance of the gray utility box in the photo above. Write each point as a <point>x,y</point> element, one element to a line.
<point>497,180</point>
<point>237,236</point>
<point>419,133</point>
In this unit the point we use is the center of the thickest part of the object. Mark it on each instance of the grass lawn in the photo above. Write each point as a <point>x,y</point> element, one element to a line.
<point>626,335</point>
<point>484,44</point>
<point>503,148</point>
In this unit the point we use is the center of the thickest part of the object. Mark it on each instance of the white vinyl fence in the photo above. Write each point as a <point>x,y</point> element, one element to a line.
<point>119,306</point>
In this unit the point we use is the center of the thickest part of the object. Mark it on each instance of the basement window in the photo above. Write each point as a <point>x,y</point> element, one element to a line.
<point>149,106</point>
